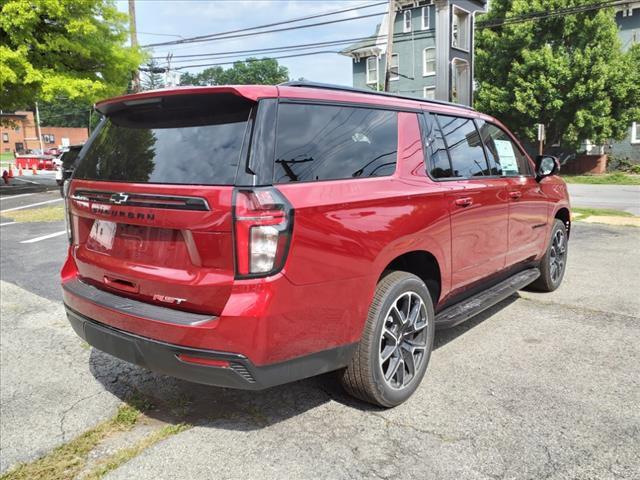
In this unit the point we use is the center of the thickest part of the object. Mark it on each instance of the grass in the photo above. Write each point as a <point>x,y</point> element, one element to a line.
<point>7,157</point>
<point>123,456</point>
<point>617,178</point>
<point>66,461</point>
<point>44,214</point>
<point>600,212</point>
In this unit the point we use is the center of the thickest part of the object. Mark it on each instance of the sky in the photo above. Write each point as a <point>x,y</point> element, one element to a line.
<point>200,17</point>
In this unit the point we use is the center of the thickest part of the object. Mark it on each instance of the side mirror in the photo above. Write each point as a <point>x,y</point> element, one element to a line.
<point>546,165</point>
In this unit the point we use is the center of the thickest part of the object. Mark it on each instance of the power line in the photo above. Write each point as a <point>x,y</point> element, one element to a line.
<point>229,33</point>
<point>289,56</point>
<point>549,14</point>
<point>287,48</point>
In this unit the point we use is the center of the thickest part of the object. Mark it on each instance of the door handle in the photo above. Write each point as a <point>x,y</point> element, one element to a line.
<point>464,202</point>
<point>120,284</point>
<point>515,195</point>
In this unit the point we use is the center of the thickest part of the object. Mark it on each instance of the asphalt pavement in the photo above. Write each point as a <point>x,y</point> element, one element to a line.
<point>540,386</point>
<point>617,197</point>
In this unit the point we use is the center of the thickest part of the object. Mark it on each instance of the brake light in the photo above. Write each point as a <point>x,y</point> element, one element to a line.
<point>67,209</point>
<point>263,222</point>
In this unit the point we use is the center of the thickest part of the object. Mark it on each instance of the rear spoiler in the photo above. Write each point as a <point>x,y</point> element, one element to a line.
<point>250,92</point>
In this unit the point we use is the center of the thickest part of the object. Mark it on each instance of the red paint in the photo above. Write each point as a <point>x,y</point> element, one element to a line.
<point>345,234</point>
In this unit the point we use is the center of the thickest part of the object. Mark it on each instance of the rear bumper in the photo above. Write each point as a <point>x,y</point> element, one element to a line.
<point>238,371</point>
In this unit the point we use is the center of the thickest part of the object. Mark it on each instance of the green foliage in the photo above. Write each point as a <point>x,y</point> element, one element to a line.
<point>265,71</point>
<point>70,49</point>
<point>62,112</point>
<point>567,72</point>
<point>152,77</point>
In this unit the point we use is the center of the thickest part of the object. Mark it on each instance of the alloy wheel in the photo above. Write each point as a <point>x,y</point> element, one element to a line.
<point>557,256</point>
<point>403,341</point>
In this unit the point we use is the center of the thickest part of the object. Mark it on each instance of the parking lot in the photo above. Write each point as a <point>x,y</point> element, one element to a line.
<point>540,386</point>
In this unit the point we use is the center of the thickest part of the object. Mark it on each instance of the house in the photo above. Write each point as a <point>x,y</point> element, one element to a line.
<point>432,51</point>
<point>18,133</point>
<point>628,20</point>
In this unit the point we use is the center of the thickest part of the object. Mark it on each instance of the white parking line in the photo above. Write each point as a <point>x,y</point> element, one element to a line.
<point>9,197</point>
<point>44,237</point>
<point>7,223</point>
<point>31,205</point>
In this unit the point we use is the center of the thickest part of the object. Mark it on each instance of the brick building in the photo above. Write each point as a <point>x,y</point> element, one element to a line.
<point>18,134</point>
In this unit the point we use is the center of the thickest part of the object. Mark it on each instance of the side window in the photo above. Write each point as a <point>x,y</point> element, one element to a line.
<point>505,158</point>
<point>321,142</point>
<point>436,155</point>
<point>464,146</point>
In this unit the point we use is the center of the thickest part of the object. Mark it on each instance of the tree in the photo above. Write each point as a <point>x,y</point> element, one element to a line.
<point>265,71</point>
<point>62,112</point>
<point>152,76</point>
<point>70,49</point>
<point>567,72</point>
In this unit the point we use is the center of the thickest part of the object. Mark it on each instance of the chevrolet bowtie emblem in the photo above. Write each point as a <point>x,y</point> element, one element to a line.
<point>119,198</point>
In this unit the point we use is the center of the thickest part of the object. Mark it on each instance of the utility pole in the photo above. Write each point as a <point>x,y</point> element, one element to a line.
<point>134,41</point>
<point>392,19</point>
<point>38,128</point>
<point>541,138</point>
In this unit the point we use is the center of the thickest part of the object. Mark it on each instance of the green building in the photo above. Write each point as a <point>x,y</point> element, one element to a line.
<point>432,52</point>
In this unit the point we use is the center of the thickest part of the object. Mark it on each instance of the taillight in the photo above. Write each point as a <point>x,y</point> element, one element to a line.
<point>67,209</point>
<point>263,222</point>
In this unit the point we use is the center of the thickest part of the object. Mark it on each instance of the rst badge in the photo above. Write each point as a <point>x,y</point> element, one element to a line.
<point>167,299</point>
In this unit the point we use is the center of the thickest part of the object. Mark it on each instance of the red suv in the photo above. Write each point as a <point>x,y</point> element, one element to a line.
<point>248,236</point>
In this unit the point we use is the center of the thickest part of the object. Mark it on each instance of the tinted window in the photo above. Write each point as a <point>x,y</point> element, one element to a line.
<point>69,157</point>
<point>184,140</point>
<point>435,150</point>
<point>505,158</point>
<point>317,142</point>
<point>464,145</point>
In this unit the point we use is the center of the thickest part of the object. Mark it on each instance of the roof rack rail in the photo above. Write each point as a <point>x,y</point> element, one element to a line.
<point>329,86</point>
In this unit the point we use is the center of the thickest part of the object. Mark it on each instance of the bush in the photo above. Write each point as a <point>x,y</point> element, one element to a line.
<point>622,164</point>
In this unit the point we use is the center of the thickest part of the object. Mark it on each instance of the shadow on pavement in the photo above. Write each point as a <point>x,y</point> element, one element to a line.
<point>174,401</point>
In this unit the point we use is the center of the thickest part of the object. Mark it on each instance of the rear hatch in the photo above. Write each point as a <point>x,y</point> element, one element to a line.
<point>151,199</point>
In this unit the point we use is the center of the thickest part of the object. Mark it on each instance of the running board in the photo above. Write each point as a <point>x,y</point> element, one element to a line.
<point>460,312</point>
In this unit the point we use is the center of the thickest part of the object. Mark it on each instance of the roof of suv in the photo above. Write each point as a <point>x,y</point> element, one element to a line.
<point>294,90</point>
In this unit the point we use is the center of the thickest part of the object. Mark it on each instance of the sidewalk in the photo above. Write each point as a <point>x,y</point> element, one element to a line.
<point>41,182</point>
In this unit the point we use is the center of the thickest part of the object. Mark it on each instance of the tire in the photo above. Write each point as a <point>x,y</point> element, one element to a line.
<point>364,377</point>
<point>554,261</point>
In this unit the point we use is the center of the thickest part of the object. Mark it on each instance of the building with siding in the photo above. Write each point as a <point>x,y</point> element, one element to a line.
<point>628,20</point>
<point>432,52</point>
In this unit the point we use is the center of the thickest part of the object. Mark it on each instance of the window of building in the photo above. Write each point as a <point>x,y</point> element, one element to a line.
<point>394,68</point>
<point>460,29</point>
<point>5,137</point>
<point>429,61</point>
<point>372,70</point>
<point>425,18</point>
<point>461,82</point>
<point>504,156</point>
<point>464,146</point>
<point>326,142</point>
<point>48,138</point>
<point>635,132</point>
<point>406,21</point>
<point>436,154</point>
<point>429,93</point>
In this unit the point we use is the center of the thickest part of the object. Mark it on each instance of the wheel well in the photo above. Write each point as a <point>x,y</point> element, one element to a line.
<point>564,215</point>
<point>423,265</point>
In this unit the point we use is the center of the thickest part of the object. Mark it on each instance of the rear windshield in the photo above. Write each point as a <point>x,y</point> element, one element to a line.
<point>180,139</point>
<point>69,157</point>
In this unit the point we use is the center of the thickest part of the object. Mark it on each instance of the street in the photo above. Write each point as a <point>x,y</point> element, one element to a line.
<point>540,386</point>
<point>616,197</point>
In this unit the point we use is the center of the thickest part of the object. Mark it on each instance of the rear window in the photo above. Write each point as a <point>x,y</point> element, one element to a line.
<point>69,157</point>
<point>180,139</point>
<point>464,145</point>
<point>322,142</point>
